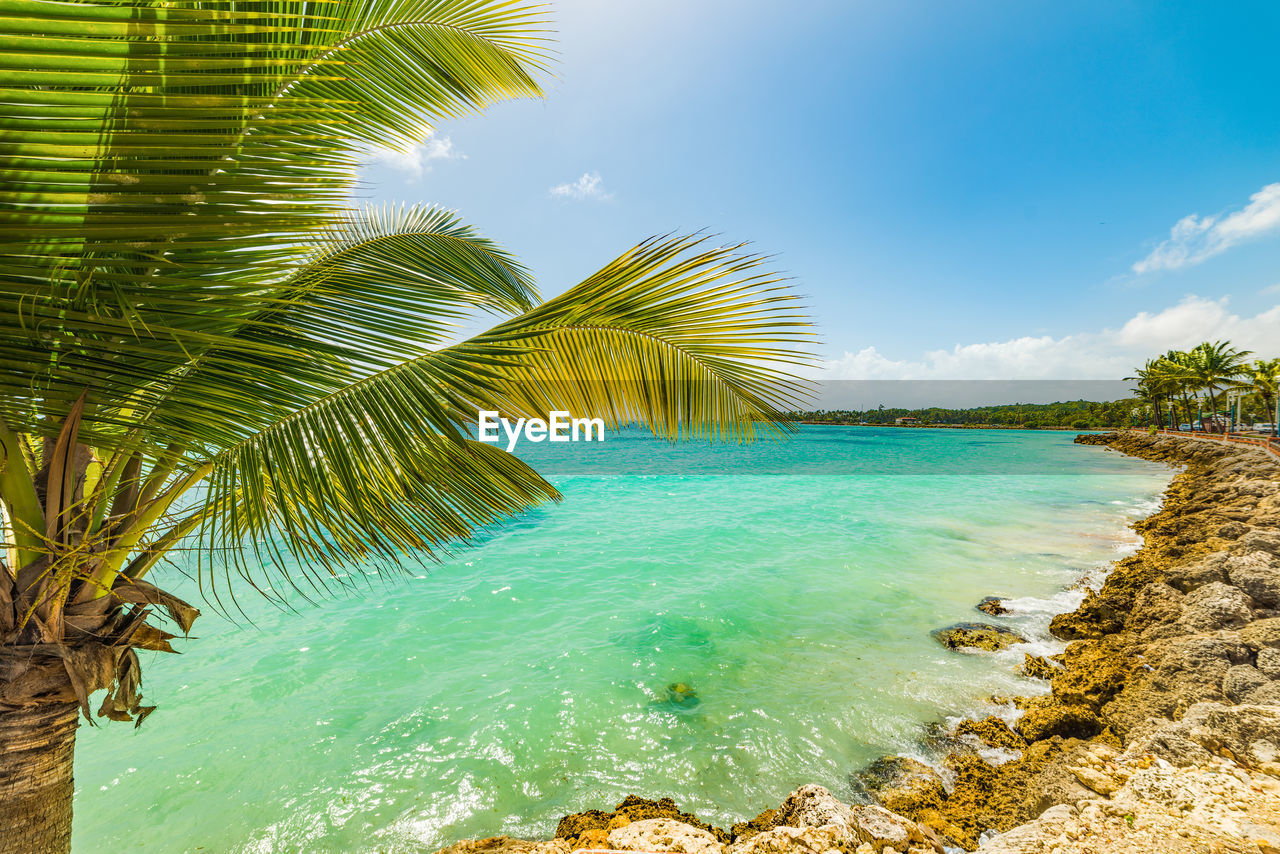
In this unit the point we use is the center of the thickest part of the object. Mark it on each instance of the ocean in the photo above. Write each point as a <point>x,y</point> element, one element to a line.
<point>711,623</point>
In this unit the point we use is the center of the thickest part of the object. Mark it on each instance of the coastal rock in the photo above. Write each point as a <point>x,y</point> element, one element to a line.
<point>1031,837</point>
<point>992,731</point>
<point>595,838</point>
<point>815,806</point>
<point>1049,720</point>
<point>1094,671</point>
<point>1038,667</point>
<point>992,605</point>
<point>664,834</point>
<point>1264,695</point>
<point>977,636</point>
<point>795,840</point>
<point>1232,531</point>
<point>1262,540</point>
<point>883,829</point>
<point>1096,616</point>
<point>1262,634</point>
<point>1215,606</point>
<point>1190,576</point>
<point>807,806</point>
<point>1269,663</point>
<point>1171,742</point>
<point>1249,734</point>
<point>1156,605</point>
<point>903,785</point>
<point>505,845</point>
<point>630,809</point>
<point>1257,574</point>
<point>1241,680</point>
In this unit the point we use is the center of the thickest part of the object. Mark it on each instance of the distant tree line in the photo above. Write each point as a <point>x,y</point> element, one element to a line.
<point>1077,414</point>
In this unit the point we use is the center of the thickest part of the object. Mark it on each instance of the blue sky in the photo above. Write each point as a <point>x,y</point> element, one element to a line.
<point>961,189</point>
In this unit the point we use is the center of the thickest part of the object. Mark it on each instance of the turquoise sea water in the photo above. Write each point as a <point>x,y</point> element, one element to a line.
<point>527,677</point>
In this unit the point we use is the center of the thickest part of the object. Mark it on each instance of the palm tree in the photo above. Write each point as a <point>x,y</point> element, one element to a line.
<point>201,344</point>
<point>1214,364</point>
<point>1151,388</point>
<point>1264,377</point>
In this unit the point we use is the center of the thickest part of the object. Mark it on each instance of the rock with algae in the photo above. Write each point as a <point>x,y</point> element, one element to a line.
<point>981,636</point>
<point>631,808</point>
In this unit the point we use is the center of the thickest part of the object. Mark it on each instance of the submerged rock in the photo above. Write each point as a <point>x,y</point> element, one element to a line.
<point>992,605</point>
<point>682,694</point>
<point>977,636</point>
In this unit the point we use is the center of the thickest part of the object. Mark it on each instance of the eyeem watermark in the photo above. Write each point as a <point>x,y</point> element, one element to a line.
<point>561,427</point>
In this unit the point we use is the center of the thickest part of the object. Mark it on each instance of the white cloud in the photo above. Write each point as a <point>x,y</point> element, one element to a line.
<point>1270,289</point>
<point>1106,354</point>
<point>1194,238</point>
<point>589,186</point>
<point>417,159</point>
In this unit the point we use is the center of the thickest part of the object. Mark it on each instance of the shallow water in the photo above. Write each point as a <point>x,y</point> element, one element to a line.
<point>529,676</point>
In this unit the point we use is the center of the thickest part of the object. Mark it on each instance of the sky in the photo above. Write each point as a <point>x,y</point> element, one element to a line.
<point>961,190</point>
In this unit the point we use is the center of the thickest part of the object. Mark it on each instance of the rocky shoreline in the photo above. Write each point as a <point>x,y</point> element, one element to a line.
<point>1161,732</point>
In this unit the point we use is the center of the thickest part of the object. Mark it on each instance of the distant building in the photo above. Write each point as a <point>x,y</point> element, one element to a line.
<point>906,420</point>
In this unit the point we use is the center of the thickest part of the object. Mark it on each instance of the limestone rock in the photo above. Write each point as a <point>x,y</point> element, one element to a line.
<point>883,829</point>
<point>664,834</point>
<point>902,784</point>
<point>1052,719</point>
<point>1269,663</point>
<point>981,636</point>
<point>1257,574</point>
<point>631,808</point>
<point>815,806</point>
<point>992,731</point>
<point>1038,667</point>
<point>1267,694</point>
<point>597,837</point>
<point>1156,603</point>
<point>1215,606</point>
<point>1262,540</point>
<point>506,845</point>
<point>1232,531</point>
<point>1261,634</point>
<point>992,605</point>
<point>1190,576</point>
<point>1240,680</point>
<point>1171,742</point>
<point>827,839</point>
<point>1248,733</point>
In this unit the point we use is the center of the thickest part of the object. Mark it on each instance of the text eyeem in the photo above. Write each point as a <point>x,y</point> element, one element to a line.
<point>559,427</point>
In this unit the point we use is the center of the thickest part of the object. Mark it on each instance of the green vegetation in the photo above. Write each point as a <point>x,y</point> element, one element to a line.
<point>1078,414</point>
<point>1208,387</point>
<point>205,346</point>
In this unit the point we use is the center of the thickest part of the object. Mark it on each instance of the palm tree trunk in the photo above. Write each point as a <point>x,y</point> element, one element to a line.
<point>36,749</point>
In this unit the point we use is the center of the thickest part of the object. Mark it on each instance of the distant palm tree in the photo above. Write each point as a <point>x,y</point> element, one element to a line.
<point>1216,364</point>
<point>1264,378</point>
<point>201,344</point>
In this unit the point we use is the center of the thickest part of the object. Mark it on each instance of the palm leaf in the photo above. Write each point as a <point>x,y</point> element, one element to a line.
<point>672,335</point>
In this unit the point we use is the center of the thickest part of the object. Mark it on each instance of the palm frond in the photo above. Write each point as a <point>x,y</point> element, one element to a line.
<point>682,338</point>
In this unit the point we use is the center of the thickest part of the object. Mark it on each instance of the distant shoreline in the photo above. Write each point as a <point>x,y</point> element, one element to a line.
<point>958,426</point>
